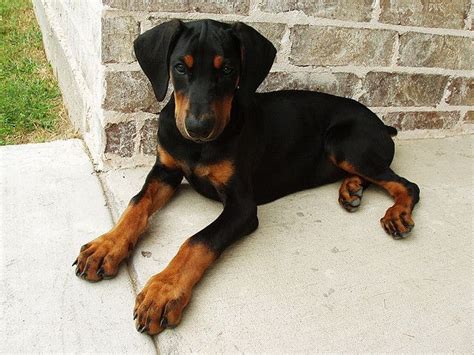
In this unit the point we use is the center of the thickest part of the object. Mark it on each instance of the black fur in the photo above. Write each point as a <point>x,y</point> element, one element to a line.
<point>279,142</point>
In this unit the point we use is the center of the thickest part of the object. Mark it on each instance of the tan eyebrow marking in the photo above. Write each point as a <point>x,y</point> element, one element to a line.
<point>189,60</point>
<point>218,60</point>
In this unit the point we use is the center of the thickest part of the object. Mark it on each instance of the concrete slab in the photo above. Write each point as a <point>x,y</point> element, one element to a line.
<point>51,204</point>
<point>316,278</point>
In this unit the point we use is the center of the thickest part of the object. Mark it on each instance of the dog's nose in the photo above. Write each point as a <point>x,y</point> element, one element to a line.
<point>201,128</point>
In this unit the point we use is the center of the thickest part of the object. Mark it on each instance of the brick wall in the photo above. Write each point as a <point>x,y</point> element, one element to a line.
<point>411,61</point>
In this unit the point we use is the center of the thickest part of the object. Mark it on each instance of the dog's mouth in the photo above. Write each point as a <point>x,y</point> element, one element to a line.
<point>200,140</point>
<point>202,127</point>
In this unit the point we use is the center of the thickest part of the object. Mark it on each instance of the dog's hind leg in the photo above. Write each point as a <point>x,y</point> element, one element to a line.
<point>366,153</point>
<point>398,221</point>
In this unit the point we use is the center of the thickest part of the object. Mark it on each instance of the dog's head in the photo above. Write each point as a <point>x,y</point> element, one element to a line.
<point>209,63</point>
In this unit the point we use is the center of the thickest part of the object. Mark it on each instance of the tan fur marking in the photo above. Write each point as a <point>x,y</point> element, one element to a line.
<point>170,290</point>
<point>219,174</point>
<point>399,216</point>
<point>221,110</point>
<point>171,163</point>
<point>135,218</point>
<point>399,192</point>
<point>166,159</point>
<point>180,111</point>
<point>218,61</point>
<point>397,219</point>
<point>190,263</point>
<point>114,246</point>
<point>349,185</point>
<point>344,165</point>
<point>189,60</point>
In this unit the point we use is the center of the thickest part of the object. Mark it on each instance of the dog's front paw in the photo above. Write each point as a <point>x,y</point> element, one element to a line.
<point>100,258</point>
<point>161,303</point>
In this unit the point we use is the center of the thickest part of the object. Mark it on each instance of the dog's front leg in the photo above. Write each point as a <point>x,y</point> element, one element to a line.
<point>100,258</point>
<point>161,302</point>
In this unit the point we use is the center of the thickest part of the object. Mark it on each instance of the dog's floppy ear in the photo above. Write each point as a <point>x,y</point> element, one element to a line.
<point>258,54</point>
<point>153,49</point>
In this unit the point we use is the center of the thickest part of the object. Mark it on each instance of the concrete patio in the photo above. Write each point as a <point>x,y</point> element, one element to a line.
<point>312,278</point>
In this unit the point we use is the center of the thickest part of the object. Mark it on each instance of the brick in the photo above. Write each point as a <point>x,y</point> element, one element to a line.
<point>334,9</point>
<point>469,117</point>
<point>427,50</point>
<point>409,121</point>
<point>313,45</point>
<point>149,5</point>
<point>120,138</point>
<point>152,21</point>
<point>129,91</point>
<point>272,31</point>
<point>208,6</point>
<point>401,89</point>
<point>340,84</point>
<point>432,13</point>
<point>118,34</point>
<point>220,6</point>
<point>148,136</point>
<point>461,92</point>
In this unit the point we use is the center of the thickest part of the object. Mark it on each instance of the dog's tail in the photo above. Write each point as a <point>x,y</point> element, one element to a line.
<point>392,131</point>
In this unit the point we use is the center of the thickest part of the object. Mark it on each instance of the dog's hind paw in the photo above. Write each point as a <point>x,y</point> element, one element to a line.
<point>397,222</point>
<point>350,193</point>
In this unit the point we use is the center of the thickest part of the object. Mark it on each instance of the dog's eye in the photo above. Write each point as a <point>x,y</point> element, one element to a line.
<point>227,70</point>
<point>180,68</point>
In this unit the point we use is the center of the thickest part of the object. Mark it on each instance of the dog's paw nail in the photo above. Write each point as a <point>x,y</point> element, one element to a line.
<point>164,322</point>
<point>100,272</point>
<point>142,329</point>
<point>350,206</point>
<point>75,262</point>
<point>77,271</point>
<point>397,235</point>
<point>135,315</point>
<point>409,227</point>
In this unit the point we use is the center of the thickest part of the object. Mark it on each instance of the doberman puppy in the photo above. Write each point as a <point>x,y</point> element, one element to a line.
<point>241,148</point>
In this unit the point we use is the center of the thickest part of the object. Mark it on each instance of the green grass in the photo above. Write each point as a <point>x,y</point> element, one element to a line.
<point>31,108</point>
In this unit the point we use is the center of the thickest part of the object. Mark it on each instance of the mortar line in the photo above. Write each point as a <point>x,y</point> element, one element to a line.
<point>299,18</point>
<point>446,93</point>
<point>469,17</point>
<point>376,11</point>
<point>283,65</point>
<point>363,70</point>
<point>114,215</point>
<point>396,51</point>
<point>437,108</point>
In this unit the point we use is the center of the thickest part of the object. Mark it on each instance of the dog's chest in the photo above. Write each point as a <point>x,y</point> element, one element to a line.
<point>216,174</point>
<point>209,180</point>
<point>208,177</point>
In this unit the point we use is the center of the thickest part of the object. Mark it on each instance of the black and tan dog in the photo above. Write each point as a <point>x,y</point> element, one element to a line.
<point>241,148</point>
